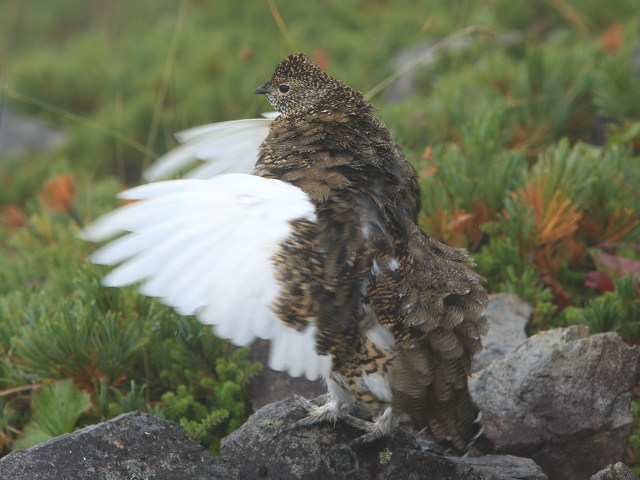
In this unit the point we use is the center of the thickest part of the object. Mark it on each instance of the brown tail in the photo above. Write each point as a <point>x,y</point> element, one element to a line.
<point>434,361</point>
<point>435,395</point>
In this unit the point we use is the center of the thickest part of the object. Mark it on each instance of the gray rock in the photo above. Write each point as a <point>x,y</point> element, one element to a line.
<point>407,61</point>
<point>269,385</point>
<point>508,315</point>
<point>619,471</point>
<point>22,133</point>
<point>516,468</point>
<point>636,57</point>
<point>131,446</point>
<point>405,85</point>
<point>562,398</point>
<point>265,448</point>
<point>140,446</point>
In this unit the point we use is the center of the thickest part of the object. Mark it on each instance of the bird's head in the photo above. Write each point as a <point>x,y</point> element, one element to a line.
<point>299,87</point>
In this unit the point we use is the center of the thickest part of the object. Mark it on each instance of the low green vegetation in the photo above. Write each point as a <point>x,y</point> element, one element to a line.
<point>527,142</point>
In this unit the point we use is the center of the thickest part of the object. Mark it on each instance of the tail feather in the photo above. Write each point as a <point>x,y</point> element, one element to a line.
<point>439,400</point>
<point>443,322</point>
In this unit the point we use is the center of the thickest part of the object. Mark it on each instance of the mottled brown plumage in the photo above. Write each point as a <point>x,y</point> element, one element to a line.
<point>400,313</point>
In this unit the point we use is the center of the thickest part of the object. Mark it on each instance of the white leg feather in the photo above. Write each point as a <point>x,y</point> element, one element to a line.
<point>334,409</point>
<point>380,428</point>
<point>329,412</point>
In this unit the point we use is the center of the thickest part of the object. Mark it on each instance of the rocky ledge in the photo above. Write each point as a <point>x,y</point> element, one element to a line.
<point>561,399</point>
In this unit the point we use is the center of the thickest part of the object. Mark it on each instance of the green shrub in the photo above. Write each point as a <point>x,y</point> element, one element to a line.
<point>107,351</point>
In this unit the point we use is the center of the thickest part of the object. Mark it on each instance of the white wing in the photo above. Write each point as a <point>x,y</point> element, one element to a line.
<point>224,147</point>
<point>205,247</point>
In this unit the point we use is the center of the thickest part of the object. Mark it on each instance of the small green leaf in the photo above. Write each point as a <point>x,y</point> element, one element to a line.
<point>55,410</point>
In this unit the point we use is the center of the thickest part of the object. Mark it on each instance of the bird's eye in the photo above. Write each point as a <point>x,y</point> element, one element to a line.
<point>284,88</point>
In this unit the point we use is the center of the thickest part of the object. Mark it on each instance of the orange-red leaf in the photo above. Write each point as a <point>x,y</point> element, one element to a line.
<point>245,53</point>
<point>459,221</point>
<point>612,38</point>
<point>428,153</point>
<point>13,217</point>
<point>616,264</point>
<point>599,280</point>
<point>428,171</point>
<point>321,58</point>
<point>604,227</point>
<point>445,228</point>
<point>561,297</point>
<point>59,193</point>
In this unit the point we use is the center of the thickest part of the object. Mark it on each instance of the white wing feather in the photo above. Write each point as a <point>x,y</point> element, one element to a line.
<point>224,147</point>
<point>205,247</point>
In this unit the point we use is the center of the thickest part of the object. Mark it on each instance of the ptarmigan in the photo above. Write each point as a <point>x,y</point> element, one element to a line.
<point>317,249</point>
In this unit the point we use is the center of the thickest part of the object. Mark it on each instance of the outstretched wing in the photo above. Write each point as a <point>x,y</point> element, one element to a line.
<point>224,147</point>
<point>206,247</point>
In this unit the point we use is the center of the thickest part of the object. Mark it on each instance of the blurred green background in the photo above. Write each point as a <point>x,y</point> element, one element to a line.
<point>525,133</point>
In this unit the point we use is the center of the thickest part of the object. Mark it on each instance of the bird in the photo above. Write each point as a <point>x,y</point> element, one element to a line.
<point>302,228</point>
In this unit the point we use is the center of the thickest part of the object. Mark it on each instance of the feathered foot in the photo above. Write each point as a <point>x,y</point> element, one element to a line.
<point>382,427</point>
<point>333,411</point>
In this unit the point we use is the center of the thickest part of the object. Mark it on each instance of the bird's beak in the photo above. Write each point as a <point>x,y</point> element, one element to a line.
<point>261,90</point>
